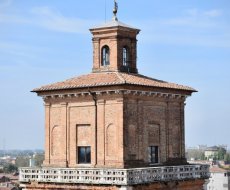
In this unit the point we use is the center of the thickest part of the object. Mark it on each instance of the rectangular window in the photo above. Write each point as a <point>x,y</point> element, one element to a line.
<point>153,154</point>
<point>84,155</point>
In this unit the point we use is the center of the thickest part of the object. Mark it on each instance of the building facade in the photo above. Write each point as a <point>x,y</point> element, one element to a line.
<point>219,179</point>
<point>212,153</point>
<point>114,128</point>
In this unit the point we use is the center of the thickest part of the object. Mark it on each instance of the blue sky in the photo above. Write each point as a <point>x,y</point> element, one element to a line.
<point>45,41</point>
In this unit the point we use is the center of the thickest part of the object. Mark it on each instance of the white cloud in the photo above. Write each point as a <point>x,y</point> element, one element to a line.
<point>193,22</point>
<point>54,20</point>
<point>194,18</point>
<point>201,13</point>
<point>178,38</point>
<point>14,55</point>
<point>192,12</point>
<point>213,13</point>
<point>19,53</point>
<point>47,18</point>
<point>194,28</point>
<point>4,18</point>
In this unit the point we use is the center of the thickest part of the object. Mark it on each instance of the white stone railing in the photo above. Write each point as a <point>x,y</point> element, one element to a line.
<point>113,176</point>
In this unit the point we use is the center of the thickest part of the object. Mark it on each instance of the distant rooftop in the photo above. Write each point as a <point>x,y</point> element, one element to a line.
<point>216,169</point>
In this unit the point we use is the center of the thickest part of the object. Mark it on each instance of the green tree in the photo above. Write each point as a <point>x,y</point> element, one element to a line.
<point>10,168</point>
<point>39,158</point>
<point>215,157</point>
<point>196,154</point>
<point>202,156</point>
<point>221,153</point>
<point>227,157</point>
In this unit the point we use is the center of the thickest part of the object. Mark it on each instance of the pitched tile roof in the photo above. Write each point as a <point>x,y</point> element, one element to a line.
<point>111,79</point>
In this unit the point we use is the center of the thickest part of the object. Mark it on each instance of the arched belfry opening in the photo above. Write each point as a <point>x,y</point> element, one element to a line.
<point>105,58</point>
<point>125,56</point>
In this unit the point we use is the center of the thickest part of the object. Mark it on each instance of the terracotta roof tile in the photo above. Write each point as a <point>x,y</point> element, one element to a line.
<point>216,169</point>
<point>110,79</point>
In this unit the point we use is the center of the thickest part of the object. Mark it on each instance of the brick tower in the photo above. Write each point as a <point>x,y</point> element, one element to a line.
<point>114,128</point>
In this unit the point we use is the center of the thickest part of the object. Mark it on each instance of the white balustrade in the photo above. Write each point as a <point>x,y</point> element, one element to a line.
<point>113,176</point>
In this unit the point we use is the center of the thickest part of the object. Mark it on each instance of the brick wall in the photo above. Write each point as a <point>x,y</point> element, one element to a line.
<point>126,127</point>
<point>153,122</point>
<point>182,185</point>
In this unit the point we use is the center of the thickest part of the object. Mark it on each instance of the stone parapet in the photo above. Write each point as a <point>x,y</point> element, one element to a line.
<point>132,176</point>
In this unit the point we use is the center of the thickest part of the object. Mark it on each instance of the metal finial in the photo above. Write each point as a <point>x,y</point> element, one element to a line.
<point>115,10</point>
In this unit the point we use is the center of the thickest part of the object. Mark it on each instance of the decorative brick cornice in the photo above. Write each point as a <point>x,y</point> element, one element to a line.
<point>117,92</point>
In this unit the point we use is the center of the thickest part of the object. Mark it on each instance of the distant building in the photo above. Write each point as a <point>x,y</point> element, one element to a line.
<point>191,148</point>
<point>219,179</point>
<point>4,179</point>
<point>224,146</point>
<point>202,147</point>
<point>212,152</point>
<point>7,160</point>
<point>8,182</point>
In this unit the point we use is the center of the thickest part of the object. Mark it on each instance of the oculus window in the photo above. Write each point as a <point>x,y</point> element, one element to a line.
<point>84,155</point>
<point>105,56</point>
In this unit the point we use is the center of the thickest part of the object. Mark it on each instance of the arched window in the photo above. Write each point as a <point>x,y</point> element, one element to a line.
<point>125,56</point>
<point>105,56</point>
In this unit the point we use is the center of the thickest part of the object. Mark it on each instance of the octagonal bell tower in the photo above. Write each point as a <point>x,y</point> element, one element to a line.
<point>114,47</point>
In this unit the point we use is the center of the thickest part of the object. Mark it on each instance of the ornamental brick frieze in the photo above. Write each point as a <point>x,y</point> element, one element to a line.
<point>152,94</point>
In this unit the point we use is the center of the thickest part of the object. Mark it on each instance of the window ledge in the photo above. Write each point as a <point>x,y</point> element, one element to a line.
<point>84,165</point>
